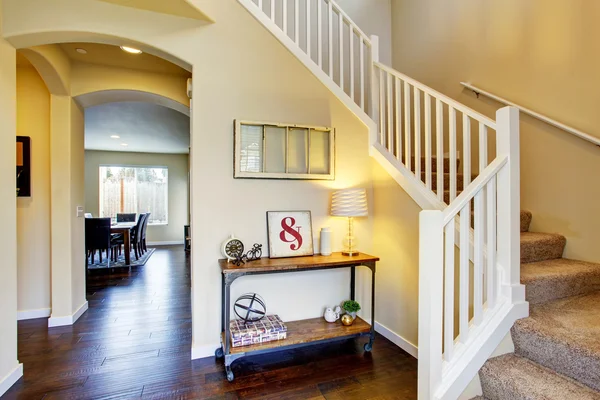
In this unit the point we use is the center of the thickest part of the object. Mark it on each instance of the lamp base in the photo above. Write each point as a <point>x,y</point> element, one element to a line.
<point>350,253</point>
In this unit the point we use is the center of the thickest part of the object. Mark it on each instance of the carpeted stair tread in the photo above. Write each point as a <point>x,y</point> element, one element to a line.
<point>525,220</point>
<point>537,246</point>
<point>559,278</point>
<point>510,377</point>
<point>564,335</point>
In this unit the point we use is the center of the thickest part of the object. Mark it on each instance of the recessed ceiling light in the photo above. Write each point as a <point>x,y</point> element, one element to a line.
<point>124,144</point>
<point>81,51</point>
<point>131,50</point>
<point>116,137</point>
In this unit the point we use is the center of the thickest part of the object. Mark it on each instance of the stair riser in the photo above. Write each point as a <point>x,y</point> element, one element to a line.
<point>546,250</point>
<point>543,291</point>
<point>525,220</point>
<point>557,356</point>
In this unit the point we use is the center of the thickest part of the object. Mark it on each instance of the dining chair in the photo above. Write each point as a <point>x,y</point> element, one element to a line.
<point>144,228</point>
<point>97,238</point>
<point>126,217</point>
<point>136,239</point>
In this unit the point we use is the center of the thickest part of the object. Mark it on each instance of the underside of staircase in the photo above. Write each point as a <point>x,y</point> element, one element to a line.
<point>557,348</point>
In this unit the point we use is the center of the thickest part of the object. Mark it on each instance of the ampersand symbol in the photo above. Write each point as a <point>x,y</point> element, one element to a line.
<point>288,228</point>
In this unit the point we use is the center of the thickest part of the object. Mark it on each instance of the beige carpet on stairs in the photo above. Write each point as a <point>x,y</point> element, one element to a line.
<point>557,348</point>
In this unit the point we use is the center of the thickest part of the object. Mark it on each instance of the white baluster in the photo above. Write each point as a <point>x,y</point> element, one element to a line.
<point>374,85</point>
<point>260,5</point>
<point>439,147</point>
<point>418,155</point>
<point>483,147</point>
<point>330,38</point>
<point>407,130</point>
<point>466,151</point>
<point>351,61</point>
<point>389,112</point>
<point>296,22</point>
<point>362,74</point>
<point>449,291</point>
<point>272,10</point>
<point>285,17</point>
<point>341,40</point>
<point>478,257</point>
<point>452,143</point>
<point>463,314</point>
<point>319,33</point>
<point>428,141</point>
<point>382,107</point>
<point>491,242</point>
<point>398,119</point>
<point>308,28</point>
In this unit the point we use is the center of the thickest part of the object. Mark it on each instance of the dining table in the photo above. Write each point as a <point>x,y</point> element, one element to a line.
<point>124,228</point>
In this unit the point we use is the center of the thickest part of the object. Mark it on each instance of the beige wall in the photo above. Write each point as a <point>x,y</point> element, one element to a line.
<point>262,90</point>
<point>178,187</point>
<point>541,54</point>
<point>33,213</point>
<point>8,216</point>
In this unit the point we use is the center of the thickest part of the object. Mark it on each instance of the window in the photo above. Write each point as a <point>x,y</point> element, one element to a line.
<point>134,190</point>
<point>271,150</point>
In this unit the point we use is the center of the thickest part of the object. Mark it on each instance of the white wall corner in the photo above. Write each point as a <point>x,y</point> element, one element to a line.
<point>204,351</point>
<point>398,340</point>
<point>68,319</point>
<point>10,379</point>
<point>33,314</point>
<point>506,346</point>
<point>473,389</point>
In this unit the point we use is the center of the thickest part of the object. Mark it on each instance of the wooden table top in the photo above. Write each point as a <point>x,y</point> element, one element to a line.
<point>285,264</point>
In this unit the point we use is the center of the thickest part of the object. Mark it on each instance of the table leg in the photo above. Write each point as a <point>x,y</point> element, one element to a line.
<point>352,282</point>
<point>127,244</point>
<point>226,317</point>
<point>372,308</point>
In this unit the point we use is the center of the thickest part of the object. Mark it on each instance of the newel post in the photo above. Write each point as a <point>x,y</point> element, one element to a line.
<point>431,275</point>
<point>374,109</point>
<point>509,204</point>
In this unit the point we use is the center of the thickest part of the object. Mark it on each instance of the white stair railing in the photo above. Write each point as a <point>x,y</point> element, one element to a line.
<point>470,224</point>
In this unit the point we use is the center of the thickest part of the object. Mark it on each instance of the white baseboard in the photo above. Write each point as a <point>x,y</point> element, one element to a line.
<point>398,340</point>
<point>10,379</point>
<point>67,319</point>
<point>204,351</point>
<point>168,243</point>
<point>33,314</point>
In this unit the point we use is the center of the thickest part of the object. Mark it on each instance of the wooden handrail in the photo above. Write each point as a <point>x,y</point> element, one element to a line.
<point>541,117</point>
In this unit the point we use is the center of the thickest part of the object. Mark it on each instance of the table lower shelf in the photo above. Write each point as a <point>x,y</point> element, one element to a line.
<point>306,331</point>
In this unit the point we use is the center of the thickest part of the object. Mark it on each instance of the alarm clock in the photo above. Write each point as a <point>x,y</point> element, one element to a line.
<point>232,248</point>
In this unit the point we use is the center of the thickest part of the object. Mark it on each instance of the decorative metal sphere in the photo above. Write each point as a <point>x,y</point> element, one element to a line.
<point>250,307</point>
<point>347,319</point>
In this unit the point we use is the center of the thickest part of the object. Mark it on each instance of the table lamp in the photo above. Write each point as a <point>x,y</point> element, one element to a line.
<point>349,203</point>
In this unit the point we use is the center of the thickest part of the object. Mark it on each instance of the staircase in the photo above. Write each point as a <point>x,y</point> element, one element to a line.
<point>557,349</point>
<point>459,166</point>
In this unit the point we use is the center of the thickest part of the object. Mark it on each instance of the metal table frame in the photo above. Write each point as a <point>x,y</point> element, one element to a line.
<point>227,280</point>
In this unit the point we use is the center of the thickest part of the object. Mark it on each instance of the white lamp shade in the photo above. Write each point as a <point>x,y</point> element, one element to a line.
<point>349,203</point>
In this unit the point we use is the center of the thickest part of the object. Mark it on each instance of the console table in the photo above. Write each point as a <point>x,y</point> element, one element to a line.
<point>300,333</point>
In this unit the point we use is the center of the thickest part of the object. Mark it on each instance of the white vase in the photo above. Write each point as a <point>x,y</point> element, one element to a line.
<point>326,241</point>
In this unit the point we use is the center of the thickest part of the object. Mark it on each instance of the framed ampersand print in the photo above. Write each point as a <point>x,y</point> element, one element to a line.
<point>289,234</point>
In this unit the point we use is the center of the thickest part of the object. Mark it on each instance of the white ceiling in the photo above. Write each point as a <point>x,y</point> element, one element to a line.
<point>144,127</point>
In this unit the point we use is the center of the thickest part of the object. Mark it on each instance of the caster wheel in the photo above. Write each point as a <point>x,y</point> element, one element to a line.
<point>219,352</point>
<point>230,376</point>
<point>368,346</point>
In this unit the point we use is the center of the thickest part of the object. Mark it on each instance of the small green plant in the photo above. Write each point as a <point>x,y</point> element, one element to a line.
<point>351,306</point>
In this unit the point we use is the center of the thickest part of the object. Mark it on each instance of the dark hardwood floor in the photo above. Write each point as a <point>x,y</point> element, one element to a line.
<point>135,339</point>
